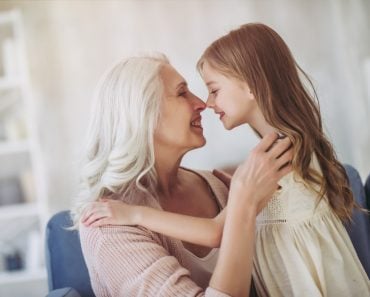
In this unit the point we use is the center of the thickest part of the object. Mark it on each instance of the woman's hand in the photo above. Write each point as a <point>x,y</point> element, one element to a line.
<point>110,212</point>
<point>223,176</point>
<point>256,179</point>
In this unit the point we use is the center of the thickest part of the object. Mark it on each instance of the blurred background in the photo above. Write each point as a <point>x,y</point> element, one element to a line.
<point>52,54</point>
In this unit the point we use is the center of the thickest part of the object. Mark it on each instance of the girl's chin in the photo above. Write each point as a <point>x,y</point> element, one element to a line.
<point>227,125</point>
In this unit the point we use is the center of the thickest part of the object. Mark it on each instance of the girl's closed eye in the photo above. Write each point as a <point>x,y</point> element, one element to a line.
<point>213,92</point>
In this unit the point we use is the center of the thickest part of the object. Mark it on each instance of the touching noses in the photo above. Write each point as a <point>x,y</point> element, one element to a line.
<point>210,103</point>
<point>198,104</point>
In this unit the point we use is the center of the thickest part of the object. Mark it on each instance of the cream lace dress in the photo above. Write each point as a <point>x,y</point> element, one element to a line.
<point>302,248</point>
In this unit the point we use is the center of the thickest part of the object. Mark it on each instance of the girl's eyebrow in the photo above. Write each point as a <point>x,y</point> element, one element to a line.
<point>210,83</point>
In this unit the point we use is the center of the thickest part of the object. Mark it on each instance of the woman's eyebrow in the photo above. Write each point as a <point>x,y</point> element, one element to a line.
<point>181,84</point>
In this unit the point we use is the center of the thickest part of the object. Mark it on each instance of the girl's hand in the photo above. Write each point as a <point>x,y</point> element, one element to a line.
<point>256,179</point>
<point>110,212</point>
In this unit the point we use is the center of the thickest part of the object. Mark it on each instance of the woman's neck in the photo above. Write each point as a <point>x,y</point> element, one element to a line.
<point>168,175</point>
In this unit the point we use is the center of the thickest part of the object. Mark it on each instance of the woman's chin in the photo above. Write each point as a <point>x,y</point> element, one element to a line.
<point>200,143</point>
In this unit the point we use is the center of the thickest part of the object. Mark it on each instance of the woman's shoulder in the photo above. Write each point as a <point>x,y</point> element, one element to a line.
<point>216,185</point>
<point>97,242</point>
<point>115,234</point>
<point>113,230</point>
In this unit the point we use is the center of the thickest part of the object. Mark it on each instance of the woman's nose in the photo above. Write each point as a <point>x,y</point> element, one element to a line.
<point>198,103</point>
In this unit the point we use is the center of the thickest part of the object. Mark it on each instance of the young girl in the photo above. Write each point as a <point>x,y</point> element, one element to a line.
<point>302,248</point>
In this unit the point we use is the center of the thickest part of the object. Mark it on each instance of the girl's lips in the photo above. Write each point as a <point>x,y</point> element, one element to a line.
<point>222,115</point>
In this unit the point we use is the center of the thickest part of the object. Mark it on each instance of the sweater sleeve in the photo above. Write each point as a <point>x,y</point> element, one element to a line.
<point>129,261</point>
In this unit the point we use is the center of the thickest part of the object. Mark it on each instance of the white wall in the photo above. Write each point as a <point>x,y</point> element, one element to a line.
<point>70,43</point>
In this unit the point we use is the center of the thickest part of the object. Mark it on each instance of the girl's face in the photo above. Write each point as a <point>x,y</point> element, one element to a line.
<point>229,97</point>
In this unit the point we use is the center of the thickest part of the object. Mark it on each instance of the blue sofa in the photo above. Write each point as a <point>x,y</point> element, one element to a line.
<point>367,191</point>
<point>66,268</point>
<point>68,275</point>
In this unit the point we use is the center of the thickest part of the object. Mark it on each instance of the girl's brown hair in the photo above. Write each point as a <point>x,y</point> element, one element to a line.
<point>256,54</point>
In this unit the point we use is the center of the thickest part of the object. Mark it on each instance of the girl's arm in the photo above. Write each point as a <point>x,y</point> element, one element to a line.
<point>202,231</point>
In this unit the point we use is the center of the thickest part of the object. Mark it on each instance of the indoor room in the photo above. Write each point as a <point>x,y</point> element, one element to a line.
<point>53,54</point>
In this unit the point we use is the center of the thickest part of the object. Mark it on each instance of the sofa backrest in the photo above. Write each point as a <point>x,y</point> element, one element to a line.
<point>359,228</point>
<point>65,263</point>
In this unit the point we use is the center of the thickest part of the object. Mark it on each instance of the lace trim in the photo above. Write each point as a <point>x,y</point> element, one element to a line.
<point>318,214</point>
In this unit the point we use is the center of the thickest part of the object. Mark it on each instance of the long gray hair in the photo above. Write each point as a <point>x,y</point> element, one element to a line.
<point>119,153</point>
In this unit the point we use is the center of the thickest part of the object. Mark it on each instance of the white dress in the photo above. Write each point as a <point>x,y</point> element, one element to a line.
<point>303,249</point>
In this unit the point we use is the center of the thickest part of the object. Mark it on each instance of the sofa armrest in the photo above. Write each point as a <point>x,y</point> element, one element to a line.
<point>64,292</point>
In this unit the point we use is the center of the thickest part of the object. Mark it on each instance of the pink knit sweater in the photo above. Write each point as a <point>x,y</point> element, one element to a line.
<point>134,261</point>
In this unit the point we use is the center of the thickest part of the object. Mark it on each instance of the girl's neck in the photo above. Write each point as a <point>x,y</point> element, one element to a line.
<point>259,123</point>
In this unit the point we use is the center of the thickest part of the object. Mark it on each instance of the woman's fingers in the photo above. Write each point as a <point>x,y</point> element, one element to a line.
<point>267,141</point>
<point>223,176</point>
<point>280,147</point>
<point>285,158</point>
<point>285,170</point>
<point>257,177</point>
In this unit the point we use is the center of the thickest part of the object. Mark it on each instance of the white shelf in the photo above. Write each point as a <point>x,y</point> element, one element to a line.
<point>14,147</point>
<point>8,17</point>
<point>20,162</point>
<point>9,83</point>
<point>15,157</point>
<point>23,283</point>
<point>21,210</point>
<point>8,277</point>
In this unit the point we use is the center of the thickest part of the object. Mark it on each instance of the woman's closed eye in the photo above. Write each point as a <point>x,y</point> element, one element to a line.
<point>182,93</point>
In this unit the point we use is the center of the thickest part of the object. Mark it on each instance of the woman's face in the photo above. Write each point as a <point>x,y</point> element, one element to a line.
<point>179,127</point>
<point>229,97</point>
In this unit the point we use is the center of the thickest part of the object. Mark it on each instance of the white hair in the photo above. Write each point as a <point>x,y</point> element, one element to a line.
<point>119,148</point>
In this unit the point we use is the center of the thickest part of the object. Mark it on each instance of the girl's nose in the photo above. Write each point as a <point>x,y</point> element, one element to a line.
<point>210,103</point>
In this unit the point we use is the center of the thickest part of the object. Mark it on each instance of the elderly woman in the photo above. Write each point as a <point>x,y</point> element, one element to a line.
<point>145,119</point>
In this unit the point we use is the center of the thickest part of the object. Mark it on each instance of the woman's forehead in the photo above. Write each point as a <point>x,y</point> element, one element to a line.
<point>171,78</point>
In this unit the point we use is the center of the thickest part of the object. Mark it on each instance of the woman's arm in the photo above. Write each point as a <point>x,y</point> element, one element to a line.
<point>115,212</point>
<point>252,186</point>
